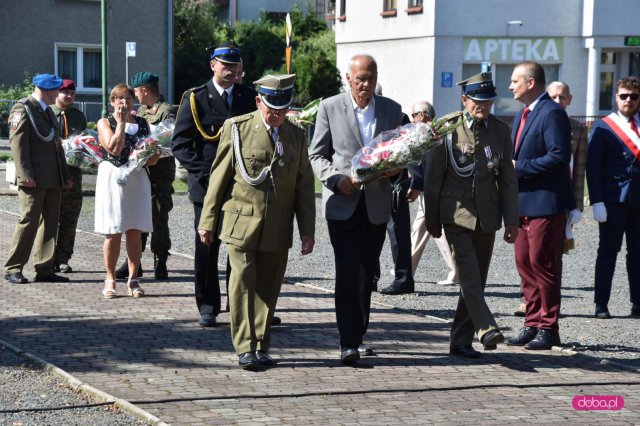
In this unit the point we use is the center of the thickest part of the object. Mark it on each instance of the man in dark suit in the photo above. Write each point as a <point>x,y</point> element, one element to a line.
<point>613,176</point>
<point>405,188</point>
<point>356,216</point>
<point>202,112</point>
<point>472,190</point>
<point>542,151</point>
<point>41,174</point>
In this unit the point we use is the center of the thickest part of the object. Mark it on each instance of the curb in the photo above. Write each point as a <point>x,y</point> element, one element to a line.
<point>93,392</point>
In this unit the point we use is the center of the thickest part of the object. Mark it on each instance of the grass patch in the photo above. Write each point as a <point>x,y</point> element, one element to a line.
<point>179,186</point>
<point>4,156</point>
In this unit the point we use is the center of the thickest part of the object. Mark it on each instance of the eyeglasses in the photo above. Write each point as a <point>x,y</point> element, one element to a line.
<point>415,114</point>
<point>123,98</point>
<point>633,96</point>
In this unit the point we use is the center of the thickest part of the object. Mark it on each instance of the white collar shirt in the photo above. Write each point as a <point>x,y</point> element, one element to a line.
<point>366,119</point>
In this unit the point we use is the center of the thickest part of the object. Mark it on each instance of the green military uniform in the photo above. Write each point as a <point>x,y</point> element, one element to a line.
<point>161,176</point>
<point>71,121</point>
<point>471,188</point>
<point>256,221</point>
<point>39,157</point>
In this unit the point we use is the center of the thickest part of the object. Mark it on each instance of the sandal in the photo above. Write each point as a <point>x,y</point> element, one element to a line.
<point>134,288</point>
<point>109,291</point>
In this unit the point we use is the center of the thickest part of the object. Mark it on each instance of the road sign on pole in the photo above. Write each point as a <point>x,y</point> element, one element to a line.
<point>131,53</point>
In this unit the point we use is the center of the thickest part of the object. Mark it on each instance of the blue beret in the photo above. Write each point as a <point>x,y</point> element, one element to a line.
<point>47,81</point>
<point>142,78</point>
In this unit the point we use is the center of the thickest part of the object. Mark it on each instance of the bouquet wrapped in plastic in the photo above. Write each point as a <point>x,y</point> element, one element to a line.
<point>398,148</point>
<point>158,142</point>
<point>83,151</point>
<point>306,116</point>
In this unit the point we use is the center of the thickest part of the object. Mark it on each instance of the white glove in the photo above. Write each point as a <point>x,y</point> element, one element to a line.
<point>574,217</point>
<point>599,212</point>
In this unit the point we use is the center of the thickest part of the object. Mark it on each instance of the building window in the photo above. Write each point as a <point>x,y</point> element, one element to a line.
<point>80,63</point>
<point>634,64</point>
<point>343,11</point>
<point>389,8</point>
<point>414,7</point>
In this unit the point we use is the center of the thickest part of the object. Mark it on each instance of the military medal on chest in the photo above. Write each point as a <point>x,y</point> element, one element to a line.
<point>489,155</point>
<point>464,148</point>
<point>280,151</point>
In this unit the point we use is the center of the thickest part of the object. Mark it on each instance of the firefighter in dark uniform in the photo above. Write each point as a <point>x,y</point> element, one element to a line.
<point>71,122</point>
<point>155,110</point>
<point>202,112</point>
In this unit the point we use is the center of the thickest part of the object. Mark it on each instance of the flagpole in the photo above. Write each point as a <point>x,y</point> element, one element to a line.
<point>288,34</point>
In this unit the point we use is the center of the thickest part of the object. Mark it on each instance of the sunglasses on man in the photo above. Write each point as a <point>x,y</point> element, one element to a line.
<point>415,114</point>
<point>633,96</point>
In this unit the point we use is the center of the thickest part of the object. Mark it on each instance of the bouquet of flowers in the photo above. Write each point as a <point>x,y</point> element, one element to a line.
<point>83,151</point>
<point>398,148</point>
<point>306,116</point>
<point>158,142</point>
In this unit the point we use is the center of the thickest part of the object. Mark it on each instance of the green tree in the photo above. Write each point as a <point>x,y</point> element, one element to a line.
<point>196,27</point>
<point>261,47</point>
<point>314,62</point>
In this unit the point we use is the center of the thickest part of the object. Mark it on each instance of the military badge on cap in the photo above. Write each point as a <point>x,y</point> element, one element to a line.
<point>479,87</point>
<point>227,52</point>
<point>47,81</point>
<point>276,91</point>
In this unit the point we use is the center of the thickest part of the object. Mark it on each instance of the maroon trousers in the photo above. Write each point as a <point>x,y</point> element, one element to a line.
<point>538,251</point>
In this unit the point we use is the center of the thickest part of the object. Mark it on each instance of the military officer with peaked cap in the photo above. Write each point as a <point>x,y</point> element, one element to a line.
<point>155,110</point>
<point>202,112</point>
<point>41,174</point>
<point>471,190</point>
<point>260,178</point>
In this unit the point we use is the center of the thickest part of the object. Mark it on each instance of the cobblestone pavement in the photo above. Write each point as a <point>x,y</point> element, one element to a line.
<point>151,352</point>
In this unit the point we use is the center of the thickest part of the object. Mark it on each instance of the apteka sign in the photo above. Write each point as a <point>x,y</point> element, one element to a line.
<point>547,49</point>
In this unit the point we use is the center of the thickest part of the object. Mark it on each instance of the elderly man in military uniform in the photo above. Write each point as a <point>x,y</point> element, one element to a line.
<point>41,174</point>
<point>202,112</point>
<point>471,189</point>
<point>260,178</point>
<point>154,109</point>
<point>71,122</point>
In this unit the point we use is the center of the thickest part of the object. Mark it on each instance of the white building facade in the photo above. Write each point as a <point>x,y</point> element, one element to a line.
<point>424,47</point>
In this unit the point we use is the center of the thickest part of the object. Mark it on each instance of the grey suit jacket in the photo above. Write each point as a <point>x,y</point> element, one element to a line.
<point>336,140</point>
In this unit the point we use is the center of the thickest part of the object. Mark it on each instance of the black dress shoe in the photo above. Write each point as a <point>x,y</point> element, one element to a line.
<point>207,320</point>
<point>466,351</point>
<point>365,350</point>
<point>525,335</point>
<point>544,340</point>
<point>276,320</point>
<point>491,338</point>
<point>50,278</point>
<point>349,355</point>
<point>248,361</point>
<point>635,310</point>
<point>123,271</point>
<point>397,289</point>
<point>65,268</point>
<point>16,278</point>
<point>602,312</point>
<point>264,358</point>
<point>160,270</point>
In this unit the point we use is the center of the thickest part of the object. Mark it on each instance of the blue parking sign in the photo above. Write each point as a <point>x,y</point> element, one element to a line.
<point>447,79</point>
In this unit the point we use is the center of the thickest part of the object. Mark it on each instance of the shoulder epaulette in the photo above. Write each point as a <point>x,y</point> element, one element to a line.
<point>243,117</point>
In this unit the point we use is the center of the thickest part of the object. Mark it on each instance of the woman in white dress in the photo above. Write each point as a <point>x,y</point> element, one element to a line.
<point>122,209</point>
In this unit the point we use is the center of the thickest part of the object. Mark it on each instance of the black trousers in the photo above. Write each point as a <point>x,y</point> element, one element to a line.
<point>357,244</point>
<point>206,271</point>
<point>623,220</point>
<point>399,230</point>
